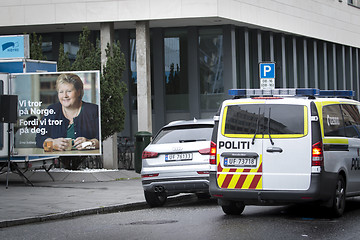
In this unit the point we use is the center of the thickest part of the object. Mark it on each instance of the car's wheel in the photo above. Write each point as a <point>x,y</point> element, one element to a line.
<point>339,199</point>
<point>234,208</point>
<point>154,199</point>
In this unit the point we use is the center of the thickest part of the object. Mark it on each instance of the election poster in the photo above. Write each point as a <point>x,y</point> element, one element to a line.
<point>58,113</point>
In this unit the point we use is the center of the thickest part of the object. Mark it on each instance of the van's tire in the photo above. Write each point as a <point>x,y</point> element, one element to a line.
<point>154,199</point>
<point>233,208</point>
<point>339,198</point>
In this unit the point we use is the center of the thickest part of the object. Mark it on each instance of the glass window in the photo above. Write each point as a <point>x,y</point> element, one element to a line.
<point>188,133</point>
<point>284,119</point>
<point>333,121</point>
<point>243,119</point>
<point>175,61</point>
<point>254,118</point>
<point>46,47</point>
<point>211,68</point>
<point>71,44</point>
<point>133,73</point>
<point>355,3</point>
<point>351,120</point>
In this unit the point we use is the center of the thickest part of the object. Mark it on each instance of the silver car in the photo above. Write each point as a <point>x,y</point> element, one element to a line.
<point>177,161</point>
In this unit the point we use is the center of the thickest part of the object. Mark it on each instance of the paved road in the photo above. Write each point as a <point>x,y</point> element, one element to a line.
<point>198,219</point>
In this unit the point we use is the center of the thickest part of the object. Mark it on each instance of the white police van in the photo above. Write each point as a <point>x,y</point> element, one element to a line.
<point>286,146</point>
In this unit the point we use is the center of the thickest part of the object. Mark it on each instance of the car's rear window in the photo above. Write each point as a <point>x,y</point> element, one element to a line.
<point>254,118</point>
<point>188,133</point>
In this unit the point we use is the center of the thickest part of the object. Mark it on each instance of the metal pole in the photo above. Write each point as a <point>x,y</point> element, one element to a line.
<point>8,168</point>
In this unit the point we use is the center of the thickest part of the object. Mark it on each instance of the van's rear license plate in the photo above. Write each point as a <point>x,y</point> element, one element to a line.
<point>178,157</point>
<point>240,162</point>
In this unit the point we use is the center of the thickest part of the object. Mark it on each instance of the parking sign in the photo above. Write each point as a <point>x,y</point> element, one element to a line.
<point>267,75</point>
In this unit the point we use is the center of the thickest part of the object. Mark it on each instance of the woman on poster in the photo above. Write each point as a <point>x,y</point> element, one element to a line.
<point>72,118</point>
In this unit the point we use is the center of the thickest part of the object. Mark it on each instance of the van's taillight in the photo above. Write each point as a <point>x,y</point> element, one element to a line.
<point>213,153</point>
<point>147,154</point>
<point>317,154</point>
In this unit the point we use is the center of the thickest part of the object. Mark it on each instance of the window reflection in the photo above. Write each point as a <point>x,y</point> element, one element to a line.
<point>47,47</point>
<point>175,69</point>
<point>71,44</point>
<point>211,68</point>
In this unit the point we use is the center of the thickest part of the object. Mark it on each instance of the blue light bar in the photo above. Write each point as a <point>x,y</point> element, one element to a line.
<point>237,92</point>
<point>274,92</point>
<point>307,92</point>
<point>336,93</point>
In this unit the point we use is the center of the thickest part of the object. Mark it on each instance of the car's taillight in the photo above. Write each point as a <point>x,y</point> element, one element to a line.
<point>147,154</point>
<point>204,151</point>
<point>213,153</point>
<point>317,154</point>
<point>149,175</point>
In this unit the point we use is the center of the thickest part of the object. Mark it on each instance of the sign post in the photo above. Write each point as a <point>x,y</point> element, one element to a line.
<point>267,75</point>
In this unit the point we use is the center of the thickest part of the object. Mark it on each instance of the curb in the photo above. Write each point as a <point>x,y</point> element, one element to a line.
<point>84,212</point>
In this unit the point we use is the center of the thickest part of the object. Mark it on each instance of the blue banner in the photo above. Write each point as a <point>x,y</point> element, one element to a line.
<point>15,46</point>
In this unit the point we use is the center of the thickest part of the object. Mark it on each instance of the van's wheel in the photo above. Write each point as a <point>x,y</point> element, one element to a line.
<point>233,208</point>
<point>154,199</point>
<point>339,198</point>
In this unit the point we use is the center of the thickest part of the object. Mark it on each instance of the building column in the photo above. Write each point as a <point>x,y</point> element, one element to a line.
<point>110,160</point>
<point>316,67</point>
<point>283,61</point>
<point>357,80</point>
<point>247,58</point>
<point>295,64</point>
<point>143,76</point>
<point>229,46</point>
<point>326,75</point>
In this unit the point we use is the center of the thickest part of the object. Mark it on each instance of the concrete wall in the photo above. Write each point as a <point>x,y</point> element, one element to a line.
<point>330,20</point>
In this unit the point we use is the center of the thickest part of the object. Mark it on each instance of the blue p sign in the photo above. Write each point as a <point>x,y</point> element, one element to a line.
<point>267,70</point>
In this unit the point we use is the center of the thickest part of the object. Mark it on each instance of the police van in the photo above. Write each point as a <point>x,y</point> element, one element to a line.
<point>286,146</point>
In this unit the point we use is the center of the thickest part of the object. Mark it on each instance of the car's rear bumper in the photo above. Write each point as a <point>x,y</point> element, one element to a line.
<point>177,185</point>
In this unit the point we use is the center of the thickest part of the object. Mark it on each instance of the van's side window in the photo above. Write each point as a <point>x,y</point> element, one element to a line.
<point>351,120</point>
<point>333,121</point>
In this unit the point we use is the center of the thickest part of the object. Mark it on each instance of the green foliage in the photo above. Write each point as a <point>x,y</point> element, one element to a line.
<point>112,92</point>
<point>88,56</point>
<point>63,61</point>
<point>35,47</point>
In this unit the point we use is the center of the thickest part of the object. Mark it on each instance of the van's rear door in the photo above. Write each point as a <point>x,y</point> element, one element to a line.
<point>286,147</point>
<point>265,146</point>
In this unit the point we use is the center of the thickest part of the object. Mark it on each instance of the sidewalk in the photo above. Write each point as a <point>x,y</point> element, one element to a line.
<point>73,193</point>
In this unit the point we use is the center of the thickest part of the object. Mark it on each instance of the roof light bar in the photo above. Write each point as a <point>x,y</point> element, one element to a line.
<point>274,92</point>
<point>337,93</point>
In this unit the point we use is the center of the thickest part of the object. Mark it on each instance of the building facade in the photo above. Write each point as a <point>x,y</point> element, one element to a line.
<point>184,55</point>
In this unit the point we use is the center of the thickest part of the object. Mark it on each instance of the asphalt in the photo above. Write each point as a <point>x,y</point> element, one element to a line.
<point>73,193</point>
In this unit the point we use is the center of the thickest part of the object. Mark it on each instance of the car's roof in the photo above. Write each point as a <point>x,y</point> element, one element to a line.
<point>209,121</point>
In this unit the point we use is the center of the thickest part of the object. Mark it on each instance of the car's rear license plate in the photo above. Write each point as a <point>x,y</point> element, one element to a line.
<point>178,156</point>
<point>240,162</point>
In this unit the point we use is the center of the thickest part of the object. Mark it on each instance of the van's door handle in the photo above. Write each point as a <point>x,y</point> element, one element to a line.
<point>274,149</point>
